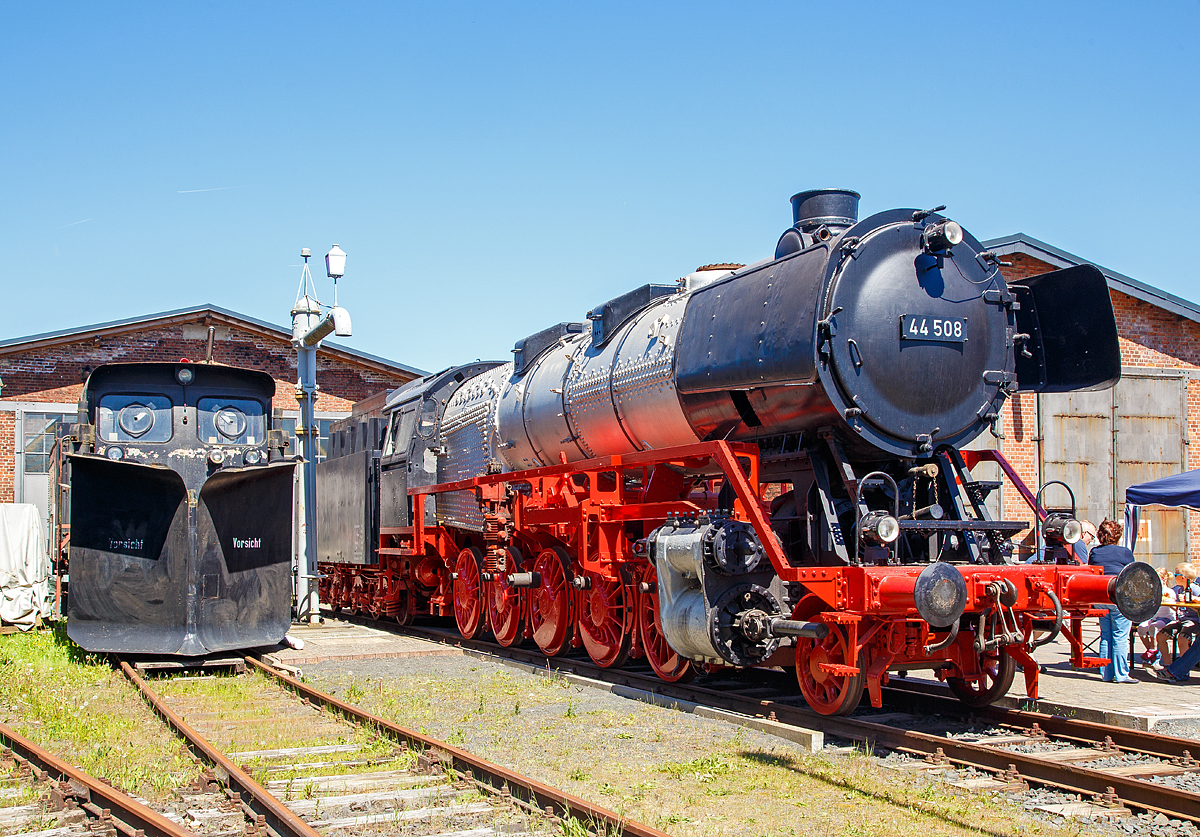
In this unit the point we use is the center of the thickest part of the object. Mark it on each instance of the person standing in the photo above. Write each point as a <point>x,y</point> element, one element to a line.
<point>1114,627</point>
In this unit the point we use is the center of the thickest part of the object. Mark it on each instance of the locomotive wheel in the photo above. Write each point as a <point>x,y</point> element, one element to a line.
<point>604,621</point>
<point>552,606</point>
<point>468,593</point>
<point>405,609</point>
<point>504,610</point>
<point>662,657</point>
<point>828,693</point>
<point>997,676</point>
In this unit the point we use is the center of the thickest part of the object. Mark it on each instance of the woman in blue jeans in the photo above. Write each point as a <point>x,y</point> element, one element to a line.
<point>1114,628</point>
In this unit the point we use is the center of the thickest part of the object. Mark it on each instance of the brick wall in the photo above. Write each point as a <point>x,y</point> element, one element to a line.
<point>55,373</point>
<point>1150,337</point>
<point>7,456</point>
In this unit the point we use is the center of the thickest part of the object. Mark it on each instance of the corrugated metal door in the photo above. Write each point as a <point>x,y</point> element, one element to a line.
<point>1149,445</point>
<point>1076,431</point>
<point>1099,443</point>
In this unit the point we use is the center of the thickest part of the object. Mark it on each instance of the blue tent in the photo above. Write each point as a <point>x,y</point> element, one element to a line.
<point>1175,490</point>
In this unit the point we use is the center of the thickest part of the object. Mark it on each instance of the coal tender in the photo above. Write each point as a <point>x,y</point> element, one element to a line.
<point>181,526</point>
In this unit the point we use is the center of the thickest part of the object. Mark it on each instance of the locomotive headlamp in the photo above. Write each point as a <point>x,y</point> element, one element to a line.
<point>942,236</point>
<point>115,453</point>
<point>879,527</point>
<point>217,457</point>
<point>184,375</point>
<point>252,456</point>
<point>1061,527</point>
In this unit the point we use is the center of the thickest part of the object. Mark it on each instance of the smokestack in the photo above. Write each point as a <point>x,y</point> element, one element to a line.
<point>835,208</point>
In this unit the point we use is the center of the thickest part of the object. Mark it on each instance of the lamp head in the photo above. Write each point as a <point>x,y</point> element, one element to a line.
<point>335,262</point>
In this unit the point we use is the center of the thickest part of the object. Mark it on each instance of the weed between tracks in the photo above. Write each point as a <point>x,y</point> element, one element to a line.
<point>75,705</point>
<point>682,774</point>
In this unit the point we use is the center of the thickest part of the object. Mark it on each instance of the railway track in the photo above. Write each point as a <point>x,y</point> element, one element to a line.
<point>351,772</point>
<point>65,800</point>
<point>1114,771</point>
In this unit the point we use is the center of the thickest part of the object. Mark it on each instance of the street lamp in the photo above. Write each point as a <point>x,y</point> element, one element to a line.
<point>309,328</point>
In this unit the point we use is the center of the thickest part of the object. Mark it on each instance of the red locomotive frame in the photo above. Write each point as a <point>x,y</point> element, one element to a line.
<point>562,560</point>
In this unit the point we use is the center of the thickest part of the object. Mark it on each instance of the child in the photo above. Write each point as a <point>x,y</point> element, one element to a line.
<point>1149,630</point>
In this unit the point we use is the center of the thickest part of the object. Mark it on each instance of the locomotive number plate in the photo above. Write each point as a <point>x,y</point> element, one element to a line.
<point>928,327</point>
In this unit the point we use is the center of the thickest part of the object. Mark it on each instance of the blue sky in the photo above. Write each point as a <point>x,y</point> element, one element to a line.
<point>495,168</point>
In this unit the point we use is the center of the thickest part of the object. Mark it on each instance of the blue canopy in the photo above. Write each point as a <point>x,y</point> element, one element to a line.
<point>1175,490</point>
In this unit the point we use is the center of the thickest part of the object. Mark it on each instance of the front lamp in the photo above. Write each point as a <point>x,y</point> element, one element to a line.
<point>942,236</point>
<point>115,453</point>
<point>879,527</point>
<point>1063,528</point>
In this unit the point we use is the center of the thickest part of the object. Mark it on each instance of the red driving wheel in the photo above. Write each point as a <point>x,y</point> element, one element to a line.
<point>552,605</point>
<point>504,602</point>
<point>604,621</point>
<point>468,593</point>
<point>405,609</point>
<point>827,692</point>
<point>662,657</point>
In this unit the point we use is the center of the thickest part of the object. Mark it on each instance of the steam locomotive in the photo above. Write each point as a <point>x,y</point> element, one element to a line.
<point>759,465</point>
<point>180,525</point>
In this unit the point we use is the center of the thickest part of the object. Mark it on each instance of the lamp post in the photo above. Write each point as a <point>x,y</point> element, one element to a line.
<point>309,328</point>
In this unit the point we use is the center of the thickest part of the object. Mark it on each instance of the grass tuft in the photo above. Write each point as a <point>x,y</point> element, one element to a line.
<point>75,704</point>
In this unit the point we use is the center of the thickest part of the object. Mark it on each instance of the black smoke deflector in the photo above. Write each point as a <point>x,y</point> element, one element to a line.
<point>1070,341</point>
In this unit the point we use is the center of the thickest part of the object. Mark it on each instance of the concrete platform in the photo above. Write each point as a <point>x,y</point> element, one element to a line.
<point>1083,695</point>
<point>337,640</point>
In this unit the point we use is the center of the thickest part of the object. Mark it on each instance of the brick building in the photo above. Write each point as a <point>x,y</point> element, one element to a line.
<point>43,377</point>
<point>1100,443</point>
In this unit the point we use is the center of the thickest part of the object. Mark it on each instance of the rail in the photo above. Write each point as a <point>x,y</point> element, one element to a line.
<point>530,792</point>
<point>133,815</point>
<point>277,815</point>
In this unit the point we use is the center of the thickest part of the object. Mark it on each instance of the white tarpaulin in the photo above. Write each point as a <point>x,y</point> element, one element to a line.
<point>24,565</point>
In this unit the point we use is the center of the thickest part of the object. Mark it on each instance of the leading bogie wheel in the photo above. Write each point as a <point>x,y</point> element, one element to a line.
<point>604,621</point>
<point>469,613</point>
<point>996,677</point>
<point>667,664</point>
<point>829,692</point>
<point>552,604</point>
<point>405,608</point>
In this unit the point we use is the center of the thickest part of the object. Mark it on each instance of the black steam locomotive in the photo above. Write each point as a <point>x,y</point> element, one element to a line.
<point>180,525</point>
<point>758,465</point>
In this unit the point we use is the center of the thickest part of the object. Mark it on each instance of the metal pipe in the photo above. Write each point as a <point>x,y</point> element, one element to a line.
<point>792,627</point>
<point>945,643</point>
<point>1058,620</point>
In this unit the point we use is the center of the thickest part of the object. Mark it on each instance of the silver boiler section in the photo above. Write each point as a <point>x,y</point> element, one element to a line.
<point>604,390</point>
